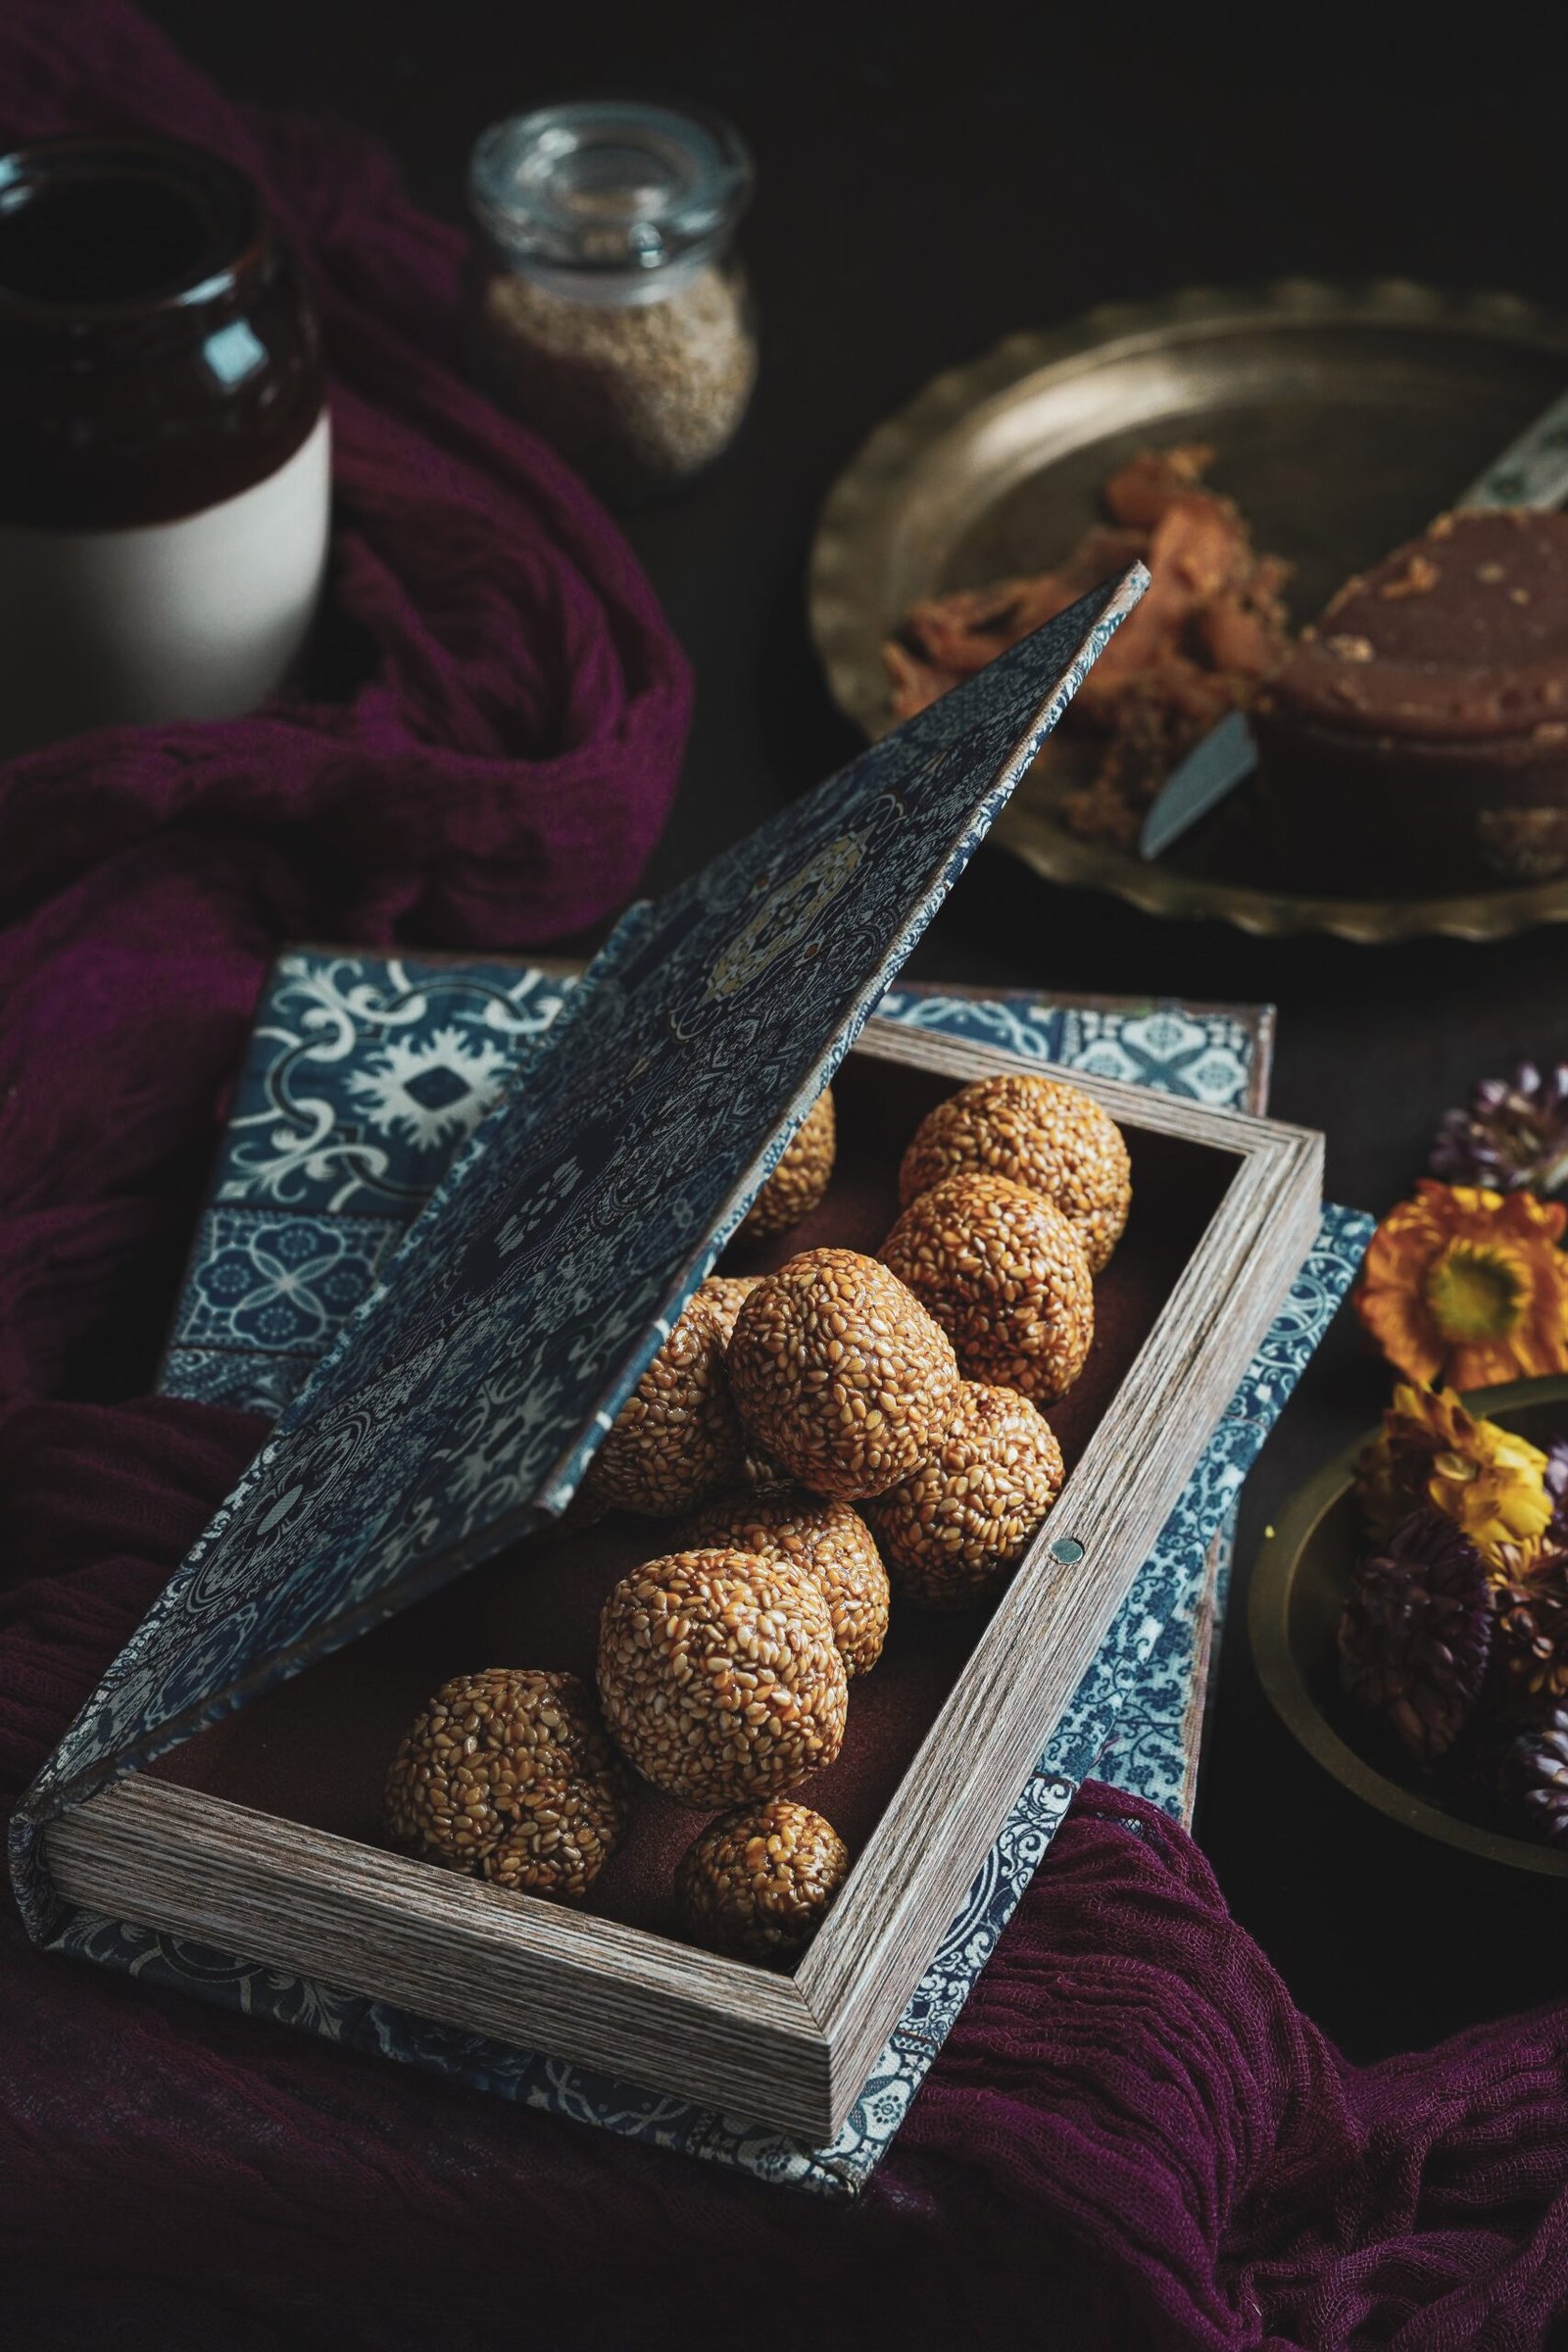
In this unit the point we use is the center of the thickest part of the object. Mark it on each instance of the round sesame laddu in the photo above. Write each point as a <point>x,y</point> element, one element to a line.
<point>758,1882</point>
<point>840,1374</point>
<point>677,1437</point>
<point>719,1676</point>
<point>1038,1132</point>
<point>954,1530</point>
<point>829,1540</point>
<point>507,1775</point>
<point>1004,1274</point>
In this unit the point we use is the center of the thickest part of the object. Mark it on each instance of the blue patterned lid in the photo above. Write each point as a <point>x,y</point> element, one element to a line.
<point>466,1396</point>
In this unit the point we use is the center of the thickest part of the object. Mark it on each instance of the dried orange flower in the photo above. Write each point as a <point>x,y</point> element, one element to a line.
<point>1490,1482</point>
<point>1468,1286</point>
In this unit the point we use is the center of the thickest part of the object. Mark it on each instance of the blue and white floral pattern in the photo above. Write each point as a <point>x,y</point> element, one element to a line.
<point>279,1285</point>
<point>427,1438</point>
<point>1161,1687</point>
<point>1167,1585</point>
<point>364,1074</point>
<point>1209,1052</point>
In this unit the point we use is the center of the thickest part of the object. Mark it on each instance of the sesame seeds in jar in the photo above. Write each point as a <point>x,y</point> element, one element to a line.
<point>604,310</point>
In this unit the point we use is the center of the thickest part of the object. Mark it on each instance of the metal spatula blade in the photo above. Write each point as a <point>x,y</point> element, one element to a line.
<point>1198,783</point>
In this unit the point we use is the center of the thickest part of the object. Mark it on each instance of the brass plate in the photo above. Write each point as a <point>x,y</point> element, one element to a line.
<point>1343,419</point>
<point>1294,1607</point>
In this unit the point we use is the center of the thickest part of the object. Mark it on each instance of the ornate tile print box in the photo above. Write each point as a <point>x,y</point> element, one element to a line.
<point>221,1783</point>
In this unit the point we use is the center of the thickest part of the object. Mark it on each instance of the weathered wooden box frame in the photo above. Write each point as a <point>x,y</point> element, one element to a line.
<point>790,2050</point>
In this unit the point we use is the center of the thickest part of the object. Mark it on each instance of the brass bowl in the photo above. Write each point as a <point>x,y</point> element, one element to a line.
<point>1298,1591</point>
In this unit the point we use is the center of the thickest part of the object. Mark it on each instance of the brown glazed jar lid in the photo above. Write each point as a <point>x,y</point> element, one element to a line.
<point>158,350</point>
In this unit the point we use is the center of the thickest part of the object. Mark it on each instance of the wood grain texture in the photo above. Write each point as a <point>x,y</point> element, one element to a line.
<point>445,1947</point>
<point>793,2052</point>
<point>906,1884</point>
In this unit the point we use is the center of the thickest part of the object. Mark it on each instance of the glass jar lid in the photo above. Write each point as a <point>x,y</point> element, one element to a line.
<point>609,200</point>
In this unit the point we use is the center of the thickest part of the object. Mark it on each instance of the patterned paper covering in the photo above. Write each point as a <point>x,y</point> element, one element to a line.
<point>1145,1666</point>
<point>365,1078</point>
<point>582,1214</point>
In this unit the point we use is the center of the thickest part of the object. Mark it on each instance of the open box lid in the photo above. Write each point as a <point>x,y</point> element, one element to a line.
<point>468,1394</point>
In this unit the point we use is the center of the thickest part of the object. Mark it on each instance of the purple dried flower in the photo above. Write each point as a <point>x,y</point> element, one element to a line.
<point>1514,1136</point>
<point>1534,1775</point>
<point>1530,1628</point>
<point>1555,1478</point>
<point>1416,1632</point>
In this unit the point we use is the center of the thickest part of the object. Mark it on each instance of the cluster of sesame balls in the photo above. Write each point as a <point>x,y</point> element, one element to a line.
<point>844,1431</point>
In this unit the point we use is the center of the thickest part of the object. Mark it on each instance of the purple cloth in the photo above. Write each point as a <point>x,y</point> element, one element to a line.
<point>1132,2138</point>
<point>497,779</point>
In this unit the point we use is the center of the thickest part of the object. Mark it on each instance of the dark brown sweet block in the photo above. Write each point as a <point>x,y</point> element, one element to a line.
<point>1418,739</point>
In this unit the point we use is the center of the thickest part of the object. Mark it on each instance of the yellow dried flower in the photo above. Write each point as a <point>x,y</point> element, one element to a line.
<point>1468,1286</point>
<point>1489,1482</point>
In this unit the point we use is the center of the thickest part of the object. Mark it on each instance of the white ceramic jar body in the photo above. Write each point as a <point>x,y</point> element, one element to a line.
<point>164,452</point>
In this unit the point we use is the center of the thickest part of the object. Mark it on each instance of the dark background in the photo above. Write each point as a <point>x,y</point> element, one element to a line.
<point>929,180</point>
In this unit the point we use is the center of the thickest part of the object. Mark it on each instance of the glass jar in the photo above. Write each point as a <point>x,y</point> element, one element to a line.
<point>605,308</point>
<point>163,452</point>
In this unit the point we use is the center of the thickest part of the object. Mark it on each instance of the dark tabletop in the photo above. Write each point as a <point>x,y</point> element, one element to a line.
<point>930,179</point>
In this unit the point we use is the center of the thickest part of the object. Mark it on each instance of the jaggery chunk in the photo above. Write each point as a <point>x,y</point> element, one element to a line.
<point>1210,630</point>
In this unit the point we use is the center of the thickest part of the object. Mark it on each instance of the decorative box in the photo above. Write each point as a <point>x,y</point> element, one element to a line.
<point>222,1784</point>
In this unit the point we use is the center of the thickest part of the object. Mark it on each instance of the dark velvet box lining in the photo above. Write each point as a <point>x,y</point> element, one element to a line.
<point>316,1749</point>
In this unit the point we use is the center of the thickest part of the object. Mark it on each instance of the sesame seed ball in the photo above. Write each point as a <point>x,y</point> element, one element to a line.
<point>719,1676</point>
<point>507,1775</point>
<point>950,1530</point>
<point>726,1295</point>
<point>676,1437</point>
<point>828,1540</point>
<point>800,1178</point>
<point>1035,1131</point>
<point>759,1881</point>
<point>1004,1274</point>
<point>840,1374</point>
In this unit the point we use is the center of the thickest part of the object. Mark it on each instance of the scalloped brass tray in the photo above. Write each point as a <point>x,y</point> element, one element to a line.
<point>1342,417</point>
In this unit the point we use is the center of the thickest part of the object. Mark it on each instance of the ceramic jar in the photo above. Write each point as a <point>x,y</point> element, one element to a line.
<point>163,441</point>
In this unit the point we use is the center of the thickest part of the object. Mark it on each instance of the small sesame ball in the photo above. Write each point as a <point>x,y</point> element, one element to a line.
<point>726,1295</point>
<point>1038,1132</point>
<point>759,1881</point>
<point>840,1374</point>
<point>1005,1276</point>
<point>676,1438</point>
<point>800,1178</point>
<point>507,1775</point>
<point>828,1540</point>
<point>952,1530</point>
<point>719,1676</point>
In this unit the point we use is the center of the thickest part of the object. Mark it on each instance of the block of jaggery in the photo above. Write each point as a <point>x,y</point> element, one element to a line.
<point>1417,739</point>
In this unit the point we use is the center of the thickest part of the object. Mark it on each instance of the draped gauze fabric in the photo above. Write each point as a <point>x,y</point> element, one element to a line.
<point>1132,2139</point>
